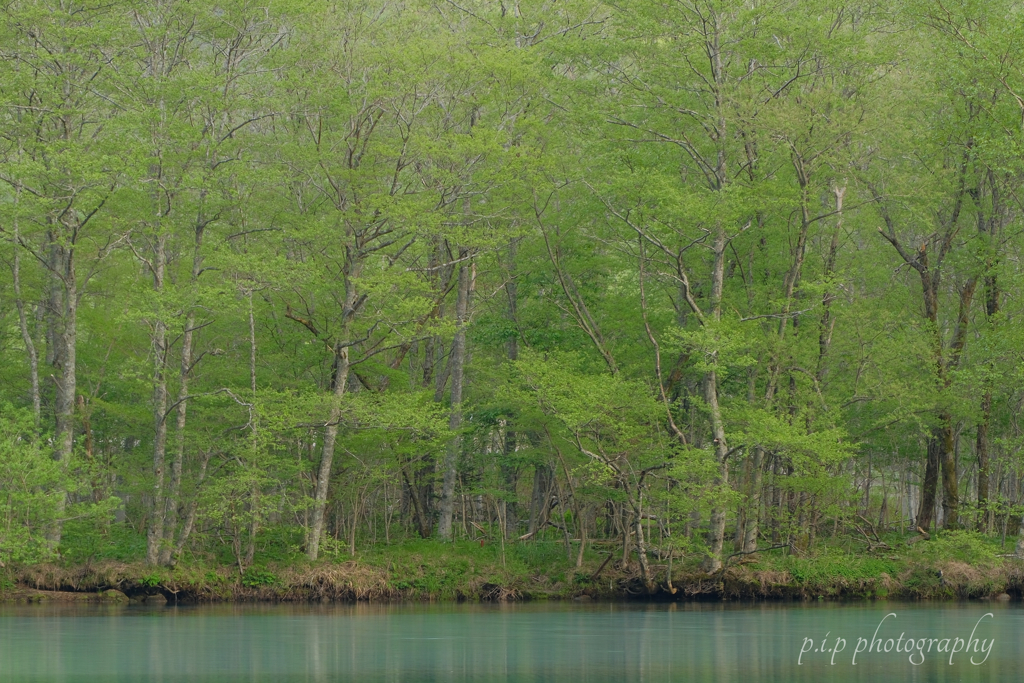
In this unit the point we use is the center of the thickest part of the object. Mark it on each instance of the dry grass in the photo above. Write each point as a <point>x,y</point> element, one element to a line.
<point>357,581</point>
<point>971,581</point>
<point>80,578</point>
<point>490,592</point>
<point>349,581</point>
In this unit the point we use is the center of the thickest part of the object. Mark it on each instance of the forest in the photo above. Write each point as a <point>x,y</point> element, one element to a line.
<point>677,278</point>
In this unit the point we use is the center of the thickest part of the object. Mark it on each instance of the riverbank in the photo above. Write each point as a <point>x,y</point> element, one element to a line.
<point>957,565</point>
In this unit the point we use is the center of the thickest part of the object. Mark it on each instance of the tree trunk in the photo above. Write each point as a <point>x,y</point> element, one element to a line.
<point>419,505</point>
<point>929,486</point>
<point>19,302</point>
<point>64,337</point>
<point>155,531</point>
<point>1019,550</point>
<point>983,462</point>
<point>940,445</point>
<point>254,493</point>
<point>754,502</point>
<point>641,546</point>
<point>510,481</point>
<point>991,309</point>
<point>716,534</point>
<point>540,500</point>
<point>174,487</point>
<point>950,488</point>
<point>252,526</point>
<point>184,374</point>
<point>190,516</point>
<point>323,474</point>
<point>340,385</point>
<point>509,470</point>
<point>827,325</point>
<point>455,363</point>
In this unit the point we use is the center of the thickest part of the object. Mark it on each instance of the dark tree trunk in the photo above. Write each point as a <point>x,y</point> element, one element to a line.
<point>540,500</point>
<point>929,486</point>
<point>950,489</point>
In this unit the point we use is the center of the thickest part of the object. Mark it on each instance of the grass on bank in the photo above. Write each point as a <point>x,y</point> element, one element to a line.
<point>951,564</point>
<point>409,568</point>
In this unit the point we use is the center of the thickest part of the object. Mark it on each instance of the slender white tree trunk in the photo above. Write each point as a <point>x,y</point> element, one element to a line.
<point>155,531</point>
<point>456,363</point>
<point>19,302</point>
<point>716,533</point>
<point>342,367</point>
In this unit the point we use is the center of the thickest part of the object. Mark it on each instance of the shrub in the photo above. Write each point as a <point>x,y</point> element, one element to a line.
<point>257,577</point>
<point>960,546</point>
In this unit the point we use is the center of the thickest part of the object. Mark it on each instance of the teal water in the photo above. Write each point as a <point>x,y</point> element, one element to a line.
<point>557,643</point>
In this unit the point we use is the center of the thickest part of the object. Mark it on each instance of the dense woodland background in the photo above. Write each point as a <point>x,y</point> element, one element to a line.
<point>692,276</point>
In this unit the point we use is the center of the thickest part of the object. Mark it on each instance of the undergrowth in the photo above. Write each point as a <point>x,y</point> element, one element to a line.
<point>950,564</point>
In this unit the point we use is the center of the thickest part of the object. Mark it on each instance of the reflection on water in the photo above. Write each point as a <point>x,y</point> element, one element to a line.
<point>722,642</point>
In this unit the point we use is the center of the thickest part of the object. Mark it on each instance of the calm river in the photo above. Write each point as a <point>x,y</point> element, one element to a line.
<point>560,643</point>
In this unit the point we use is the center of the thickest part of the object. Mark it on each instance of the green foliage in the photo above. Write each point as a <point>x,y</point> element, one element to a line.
<point>150,580</point>
<point>257,577</point>
<point>427,568</point>
<point>86,540</point>
<point>969,547</point>
<point>30,483</point>
<point>232,238</point>
<point>33,492</point>
<point>279,543</point>
<point>838,568</point>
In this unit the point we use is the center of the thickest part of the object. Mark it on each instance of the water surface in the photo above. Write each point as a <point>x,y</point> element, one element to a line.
<point>557,643</point>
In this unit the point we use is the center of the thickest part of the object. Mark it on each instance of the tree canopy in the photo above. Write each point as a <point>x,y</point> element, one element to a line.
<point>682,274</point>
